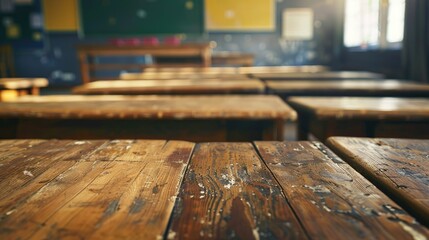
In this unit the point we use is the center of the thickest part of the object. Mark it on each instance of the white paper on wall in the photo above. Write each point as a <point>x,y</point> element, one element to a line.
<point>298,23</point>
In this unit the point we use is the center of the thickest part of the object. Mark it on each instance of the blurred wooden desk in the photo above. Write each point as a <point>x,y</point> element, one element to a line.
<point>195,118</point>
<point>202,86</point>
<point>362,117</point>
<point>201,51</point>
<point>379,88</point>
<point>232,59</point>
<point>404,164</point>
<point>282,69</point>
<point>325,75</point>
<point>143,189</point>
<point>182,75</point>
<point>11,88</point>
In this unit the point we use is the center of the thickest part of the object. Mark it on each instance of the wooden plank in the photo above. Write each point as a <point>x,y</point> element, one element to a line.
<point>22,83</point>
<point>397,166</point>
<point>347,88</point>
<point>249,107</point>
<point>363,108</point>
<point>199,76</point>
<point>129,195</point>
<point>324,75</point>
<point>331,199</point>
<point>229,193</point>
<point>282,69</point>
<point>139,87</point>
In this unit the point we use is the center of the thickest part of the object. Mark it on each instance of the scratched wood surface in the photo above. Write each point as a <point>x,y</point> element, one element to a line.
<point>348,88</point>
<point>325,75</point>
<point>185,86</point>
<point>229,193</point>
<point>398,166</point>
<point>364,107</point>
<point>92,190</point>
<point>22,83</point>
<point>157,189</point>
<point>154,107</point>
<point>331,199</point>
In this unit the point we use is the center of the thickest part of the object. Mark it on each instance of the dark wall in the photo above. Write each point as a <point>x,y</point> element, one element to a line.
<point>58,60</point>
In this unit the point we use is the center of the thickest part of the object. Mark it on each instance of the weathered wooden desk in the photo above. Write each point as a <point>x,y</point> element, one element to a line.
<point>11,88</point>
<point>400,167</point>
<point>196,118</point>
<point>140,87</point>
<point>201,51</point>
<point>317,75</point>
<point>182,75</point>
<point>142,189</point>
<point>282,69</point>
<point>362,117</point>
<point>380,88</point>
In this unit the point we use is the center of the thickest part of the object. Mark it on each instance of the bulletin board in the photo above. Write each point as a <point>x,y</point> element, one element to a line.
<point>21,22</point>
<point>240,15</point>
<point>143,17</point>
<point>60,15</point>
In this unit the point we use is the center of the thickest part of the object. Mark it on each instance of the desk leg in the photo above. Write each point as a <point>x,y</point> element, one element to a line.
<point>84,68</point>
<point>35,91</point>
<point>303,127</point>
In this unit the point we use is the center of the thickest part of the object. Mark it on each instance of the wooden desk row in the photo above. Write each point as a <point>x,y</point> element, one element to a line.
<point>157,189</point>
<point>195,118</point>
<point>11,88</point>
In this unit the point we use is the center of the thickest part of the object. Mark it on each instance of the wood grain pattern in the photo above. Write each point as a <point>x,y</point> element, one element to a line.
<point>347,88</point>
<point>332,200</point>
<point>398,166</point>
<point>324,75</point>
<point>127,194</point>
<point>207,86</point>
<point>229,193</point>
<point>149,107</point>
<point>363,108</point>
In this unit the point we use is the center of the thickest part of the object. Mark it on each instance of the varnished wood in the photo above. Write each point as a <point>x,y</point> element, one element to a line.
<point>381,88</point>
<point>361,116</point>
<point>195,118</point>
<point>183,70</point>
<point>22,83</point>
<point>398,166</point>
<point>331,199</point>
<point>200,50</point>
<point>324,75</point>
<point>120,189</point>
<point>206,86</point>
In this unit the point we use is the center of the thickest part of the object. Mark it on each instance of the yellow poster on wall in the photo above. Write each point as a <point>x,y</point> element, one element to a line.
<point>60,15</point>
<point>240,15</point>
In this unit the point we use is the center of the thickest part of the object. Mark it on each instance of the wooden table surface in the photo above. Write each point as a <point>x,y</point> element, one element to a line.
<point>364,107</point>
<point>192,118</point>
<point>184,86</point>
<point>191,70</point>
<point>282,69</point>
<point>324,75</point>
<point>22,83</point>
<point>398,166</point>
<point>182,75</point>
<point>146,189</point>
<point>159,107</point>
<point>348,88</point>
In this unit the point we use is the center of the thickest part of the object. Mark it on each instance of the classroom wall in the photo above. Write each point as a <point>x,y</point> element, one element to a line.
<point>58,59</point>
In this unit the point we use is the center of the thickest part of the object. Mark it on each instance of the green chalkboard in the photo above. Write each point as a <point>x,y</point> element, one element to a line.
<point>141,17</point>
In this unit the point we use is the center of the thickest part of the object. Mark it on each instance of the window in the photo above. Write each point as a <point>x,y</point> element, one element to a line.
<point>374,23</point>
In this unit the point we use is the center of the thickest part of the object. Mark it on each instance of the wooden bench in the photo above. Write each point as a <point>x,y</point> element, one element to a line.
<point>206,86</point>
<point>340,75</point>
<point>400,167</point>
<point>361,117</point>
<point>157,189</point>
<point>196,118</point>
<point>362,88</point>
<point>11,88</point>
